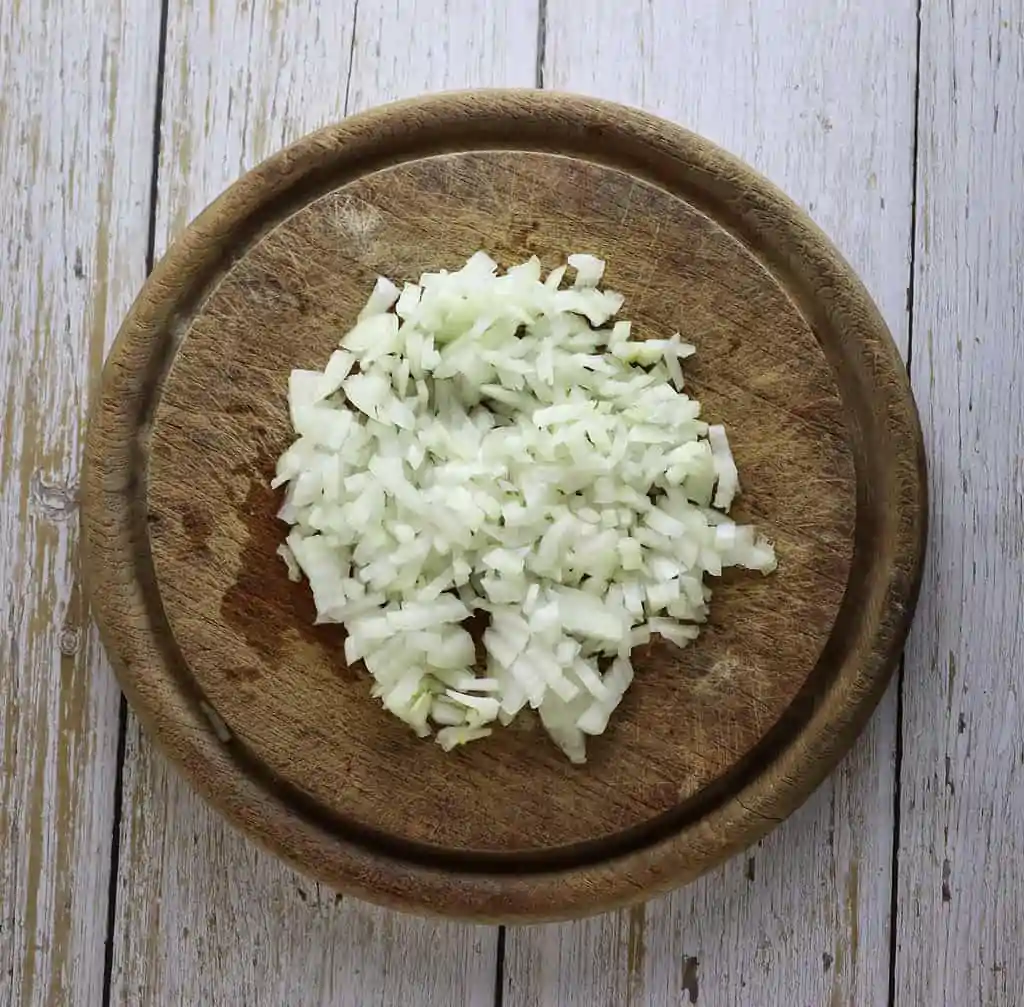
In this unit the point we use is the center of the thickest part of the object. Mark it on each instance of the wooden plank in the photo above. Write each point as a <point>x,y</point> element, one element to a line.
<point>75,166</point>
<point>961,883</point>
<point>820,99</point>
<point>407,47</point>
<point>205,917</point>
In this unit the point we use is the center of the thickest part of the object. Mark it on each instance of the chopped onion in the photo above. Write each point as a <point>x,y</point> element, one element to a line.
<point>725,468</point>
<point>480,442</point>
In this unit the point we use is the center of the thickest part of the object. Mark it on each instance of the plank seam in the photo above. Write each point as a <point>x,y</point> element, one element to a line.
<point>542,38</point>
<point>499,969</point>
<point>122,712</point>
<point>351,56</point>
<point>894,903</point>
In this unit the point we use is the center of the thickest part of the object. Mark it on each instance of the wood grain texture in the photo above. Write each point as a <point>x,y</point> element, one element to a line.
<point>74,194</point>
<point>961,852</point>
<point>805,918</point>
<point>192,409</point>
<point>204,916</point>
<point>245,631</point>
<point>403,48</point>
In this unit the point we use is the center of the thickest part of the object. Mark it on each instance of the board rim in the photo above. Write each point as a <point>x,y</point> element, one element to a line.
<point>131,629</point>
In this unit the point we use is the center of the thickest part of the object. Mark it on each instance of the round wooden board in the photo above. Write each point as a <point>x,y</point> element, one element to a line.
<point>216,648</point>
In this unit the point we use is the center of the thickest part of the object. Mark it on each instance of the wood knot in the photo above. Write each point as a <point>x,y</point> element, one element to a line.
<point>53,500</point>
<point>70,640</point>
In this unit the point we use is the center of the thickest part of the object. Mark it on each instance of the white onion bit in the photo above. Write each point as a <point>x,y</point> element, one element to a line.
<point>482,442</point>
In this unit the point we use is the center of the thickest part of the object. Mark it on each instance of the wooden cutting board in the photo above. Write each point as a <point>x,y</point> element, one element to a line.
<point>216,648</point>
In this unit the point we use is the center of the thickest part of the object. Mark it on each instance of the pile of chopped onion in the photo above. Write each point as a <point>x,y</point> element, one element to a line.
<point>494,443</point>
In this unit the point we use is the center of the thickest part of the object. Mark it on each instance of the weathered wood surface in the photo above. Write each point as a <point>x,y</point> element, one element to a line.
<point>75,165</point>
<point>804,919</point>
<point>961,836</point>
<point>203,916</point>
<point>822,100</point>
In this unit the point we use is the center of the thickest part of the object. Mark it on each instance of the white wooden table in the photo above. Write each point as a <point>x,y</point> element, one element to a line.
<point>901,129</point>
